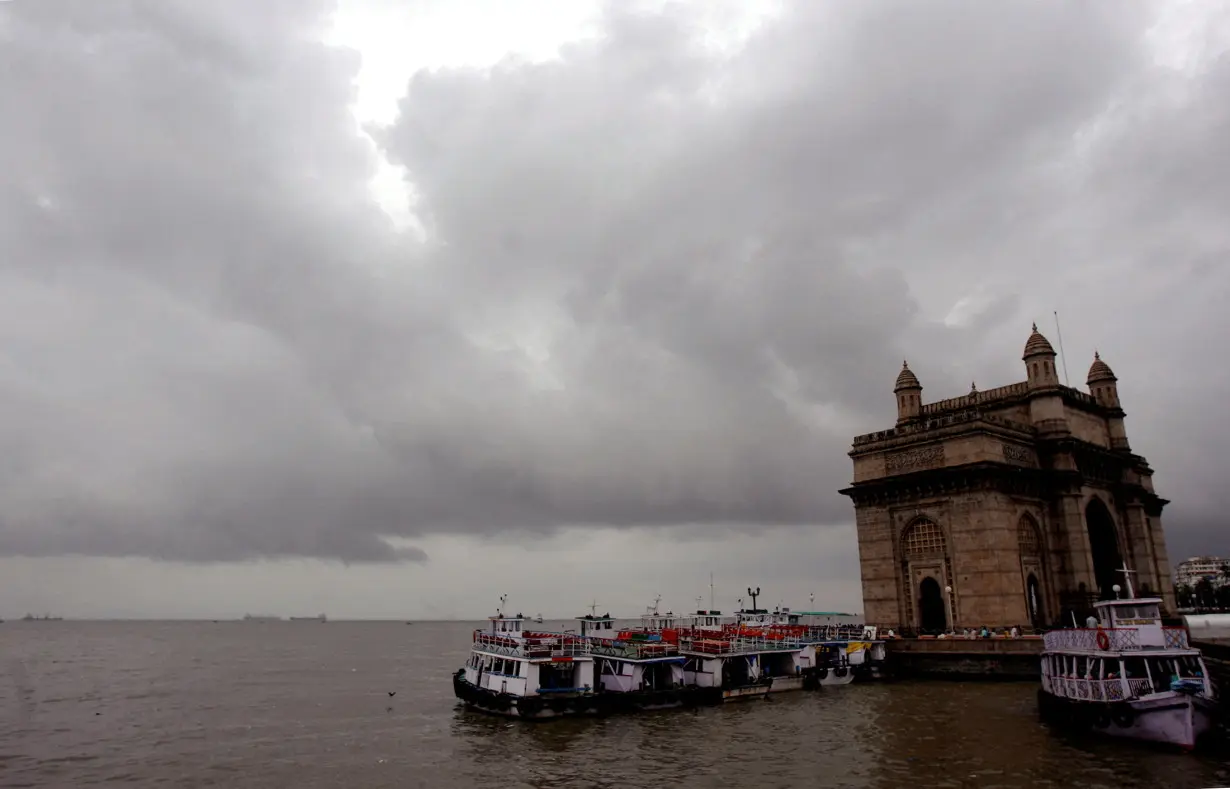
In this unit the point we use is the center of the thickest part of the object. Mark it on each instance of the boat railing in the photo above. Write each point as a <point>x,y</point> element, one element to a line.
<point>533,645</point>
<point>1113,638</point>
<point>632,650</point>
<point>1088,689</point>
<point>1176,637</point>
<point>1112,689</point>
<point>739,644</point>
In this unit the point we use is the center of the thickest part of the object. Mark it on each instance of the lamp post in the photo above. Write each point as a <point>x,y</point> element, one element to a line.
<point>952,625</point>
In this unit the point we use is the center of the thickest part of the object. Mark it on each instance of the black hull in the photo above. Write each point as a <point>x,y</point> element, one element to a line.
<point>548,707</point>
<point>1077,716</point>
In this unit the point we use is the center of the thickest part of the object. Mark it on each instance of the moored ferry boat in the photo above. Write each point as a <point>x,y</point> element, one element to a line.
<point>636,669</point>
<point>527,674</point>
<point>1129,676</point>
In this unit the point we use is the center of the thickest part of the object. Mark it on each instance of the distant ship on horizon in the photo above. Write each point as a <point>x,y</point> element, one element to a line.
<point>261,618</point>
<point>43,618</point>
<point>317,618</point>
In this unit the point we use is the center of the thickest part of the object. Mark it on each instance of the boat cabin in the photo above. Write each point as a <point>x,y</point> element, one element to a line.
<point>709,620</point>
<point>1141,614</point>
<point>655,621</point>
<point>507,626</point>
<point>597,626</point>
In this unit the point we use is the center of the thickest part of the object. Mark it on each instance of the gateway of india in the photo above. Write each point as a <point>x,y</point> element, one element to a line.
<point>1012,506</point>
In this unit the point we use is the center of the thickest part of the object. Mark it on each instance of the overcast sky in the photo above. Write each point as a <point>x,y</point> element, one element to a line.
<point>388,308</point>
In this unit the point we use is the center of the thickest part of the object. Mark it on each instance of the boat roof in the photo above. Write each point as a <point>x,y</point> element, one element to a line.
<point>1127,601</point>
<point>822,613</point>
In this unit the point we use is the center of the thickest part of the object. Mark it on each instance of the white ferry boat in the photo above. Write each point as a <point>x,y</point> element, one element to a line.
<point>1127,677</point>
<point>841,651</point>
<point>526,674</point>
<point>637,669</point>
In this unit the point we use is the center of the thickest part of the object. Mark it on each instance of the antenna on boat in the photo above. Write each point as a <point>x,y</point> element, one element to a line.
<point>812,597</point>
<point>711,603</point>
<point>654,608</point>
<point>1062,358</point>
<point>753,595</point>
<point>593,608</point>
<point>503,599</point>
<point>700,600</point>
<point>1127,579</point>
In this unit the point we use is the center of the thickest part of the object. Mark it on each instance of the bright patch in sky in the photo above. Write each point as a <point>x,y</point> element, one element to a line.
<point>396,40</point>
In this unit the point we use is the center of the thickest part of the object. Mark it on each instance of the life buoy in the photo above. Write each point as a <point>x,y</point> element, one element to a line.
<point>1103,640</point>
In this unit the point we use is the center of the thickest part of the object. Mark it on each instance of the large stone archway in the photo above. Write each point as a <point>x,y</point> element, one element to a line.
<point>925,562</point>
<point>1103,547</point>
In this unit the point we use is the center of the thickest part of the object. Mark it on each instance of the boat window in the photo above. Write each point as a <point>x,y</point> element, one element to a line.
<point>1134,668</point>
<point>1189,666</point>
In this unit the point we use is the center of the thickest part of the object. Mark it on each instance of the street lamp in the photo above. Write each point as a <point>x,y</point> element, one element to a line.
<point>952,625</point>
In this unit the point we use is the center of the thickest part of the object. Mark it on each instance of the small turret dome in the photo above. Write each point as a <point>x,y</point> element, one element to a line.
<point>1099,371</point>
<point>906,379</point>
<point>1037,345</point>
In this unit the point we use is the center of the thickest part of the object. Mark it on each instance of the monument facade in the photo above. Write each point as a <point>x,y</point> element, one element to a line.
<point>1013,506</point>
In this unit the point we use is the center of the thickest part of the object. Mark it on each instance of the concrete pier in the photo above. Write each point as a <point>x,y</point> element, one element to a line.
<point>966,658</point>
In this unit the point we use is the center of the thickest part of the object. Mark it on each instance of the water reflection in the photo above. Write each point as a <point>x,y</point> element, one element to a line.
<point>888,735</point>
<point>235,705</point>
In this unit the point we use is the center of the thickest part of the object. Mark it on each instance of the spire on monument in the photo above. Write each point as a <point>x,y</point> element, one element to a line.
<point>1037,345</point>
<point>906,379</point>
<point>1099,371</point>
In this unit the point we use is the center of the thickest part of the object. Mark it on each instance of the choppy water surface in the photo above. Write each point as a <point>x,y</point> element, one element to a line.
<point>306,704</point>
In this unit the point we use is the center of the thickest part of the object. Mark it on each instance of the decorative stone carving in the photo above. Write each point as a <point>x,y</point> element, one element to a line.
<point>1014,453</point>
<point>923,457</point>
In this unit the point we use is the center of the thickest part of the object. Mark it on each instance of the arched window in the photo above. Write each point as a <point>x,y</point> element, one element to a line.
<point>1028,539</point>
<point>922,538</point>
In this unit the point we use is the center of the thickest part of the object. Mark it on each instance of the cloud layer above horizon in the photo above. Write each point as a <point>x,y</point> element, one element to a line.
<point>663,283</point>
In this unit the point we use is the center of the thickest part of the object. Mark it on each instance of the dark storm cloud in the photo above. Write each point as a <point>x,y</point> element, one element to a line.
<point>663,286</point>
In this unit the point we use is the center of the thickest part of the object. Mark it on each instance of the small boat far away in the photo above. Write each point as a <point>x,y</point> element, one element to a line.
<point>317,618</point>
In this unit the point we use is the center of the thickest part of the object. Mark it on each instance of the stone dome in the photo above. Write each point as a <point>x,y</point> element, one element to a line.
<point>906,379</point>
<point>1099,371</point>
<point>1037,345</point>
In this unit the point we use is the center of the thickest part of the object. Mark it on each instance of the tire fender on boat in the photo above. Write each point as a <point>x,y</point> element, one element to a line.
<point>1102,718</point>
<point>1123,715</point>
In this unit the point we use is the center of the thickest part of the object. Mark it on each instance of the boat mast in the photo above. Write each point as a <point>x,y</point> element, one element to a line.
<point>711,605</point>
<point>1127,579</point>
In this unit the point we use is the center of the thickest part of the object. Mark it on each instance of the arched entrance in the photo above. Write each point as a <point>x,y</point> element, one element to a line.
<point>1029,541</point>
<point>1033,600</point>
<point>1104,547</point>
<point>932,613</point>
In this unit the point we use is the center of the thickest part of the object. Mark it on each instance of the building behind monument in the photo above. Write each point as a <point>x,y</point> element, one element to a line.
<point>1013,506</point>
